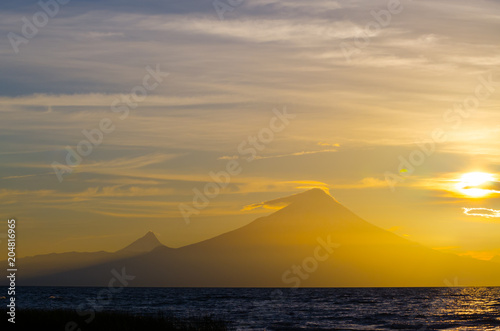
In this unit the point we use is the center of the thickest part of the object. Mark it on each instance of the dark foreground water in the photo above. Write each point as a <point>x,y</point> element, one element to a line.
<point>290,309</point>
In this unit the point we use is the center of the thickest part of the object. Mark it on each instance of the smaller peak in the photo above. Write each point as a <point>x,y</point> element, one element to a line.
<point>150,236</point>
<point>146,243</point>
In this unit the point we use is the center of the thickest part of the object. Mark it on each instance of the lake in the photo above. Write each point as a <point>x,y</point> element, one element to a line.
<point>289,309</point>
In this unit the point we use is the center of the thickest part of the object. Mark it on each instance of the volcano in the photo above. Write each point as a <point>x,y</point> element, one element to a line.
<point>313,241</point>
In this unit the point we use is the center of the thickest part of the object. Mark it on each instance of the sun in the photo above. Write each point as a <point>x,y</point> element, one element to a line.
<point>469,182</point>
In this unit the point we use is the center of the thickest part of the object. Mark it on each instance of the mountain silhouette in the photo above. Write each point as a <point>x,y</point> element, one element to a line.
<point>313,241</point>
<point>142,245</point>
<point>39,265</point>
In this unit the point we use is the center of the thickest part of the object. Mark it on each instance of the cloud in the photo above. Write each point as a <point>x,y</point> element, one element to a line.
<point>450,185</point>
<point>394,228</point>
<point>60,102</point>
<point>309,184</point>
<point>267,205</point>
<point>299,31</point>
<point>26,176</point>
<point>120,191</point>
<point>494,187</point>
<point>321,143</point>
<point>97,192</point>
<point>482,212</point>
<point>446,248</point>
<point>480,255</point>
<point>261,157</point>
<point>367,182</point>
<point>227,157</point>
<point>6,194</point>
<point>97,34</point>
<point>258,157</point>
<point>126,163</point>
<point>280,203</point>
<point>113,166</point>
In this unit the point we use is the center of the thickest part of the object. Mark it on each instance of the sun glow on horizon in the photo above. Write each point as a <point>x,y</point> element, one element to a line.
<point>469,183</point>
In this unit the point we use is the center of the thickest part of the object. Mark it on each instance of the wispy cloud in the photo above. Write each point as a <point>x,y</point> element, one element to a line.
<point>482,212</point>
<point>295,154</point>
<point>226,75</point>
<point>263,157</point>
<point>308,184</point>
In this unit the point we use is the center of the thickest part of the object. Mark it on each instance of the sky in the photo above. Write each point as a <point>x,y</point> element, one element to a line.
<point>179,117</point>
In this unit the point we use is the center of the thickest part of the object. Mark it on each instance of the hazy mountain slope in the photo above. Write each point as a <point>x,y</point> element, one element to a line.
<point>264,253</point>
<point>40,265</point>
<point>142,245</point>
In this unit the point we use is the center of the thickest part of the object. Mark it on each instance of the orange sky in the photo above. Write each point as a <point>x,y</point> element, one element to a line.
<point>389,124</point>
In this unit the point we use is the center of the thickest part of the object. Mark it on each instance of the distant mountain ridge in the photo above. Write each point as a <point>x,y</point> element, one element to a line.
<point>46,264</point>
<point>314,241</point>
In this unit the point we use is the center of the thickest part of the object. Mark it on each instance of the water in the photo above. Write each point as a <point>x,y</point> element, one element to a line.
<point>293,309</point>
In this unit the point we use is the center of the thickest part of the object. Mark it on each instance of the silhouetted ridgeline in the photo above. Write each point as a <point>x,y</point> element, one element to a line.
<point>312,242</point>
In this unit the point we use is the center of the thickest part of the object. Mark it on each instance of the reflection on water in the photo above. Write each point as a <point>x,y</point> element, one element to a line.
<point>293,309</point>
<point>463,305</point>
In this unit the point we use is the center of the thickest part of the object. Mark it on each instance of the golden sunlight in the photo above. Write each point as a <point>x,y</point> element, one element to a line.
<point>469,184</point>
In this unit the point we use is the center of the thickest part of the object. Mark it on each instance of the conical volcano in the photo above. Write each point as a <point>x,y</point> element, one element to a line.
<point>312,241</point>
